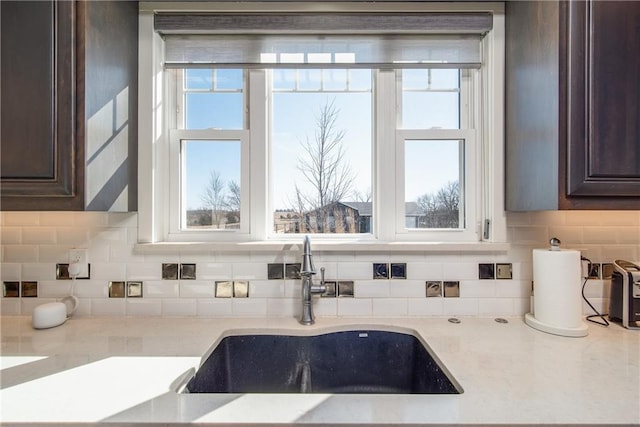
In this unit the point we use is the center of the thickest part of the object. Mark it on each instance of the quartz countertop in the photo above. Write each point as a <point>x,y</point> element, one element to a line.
<point>122,371</point>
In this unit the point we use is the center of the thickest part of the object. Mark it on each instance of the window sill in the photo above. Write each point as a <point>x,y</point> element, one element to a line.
<point>322,246</point>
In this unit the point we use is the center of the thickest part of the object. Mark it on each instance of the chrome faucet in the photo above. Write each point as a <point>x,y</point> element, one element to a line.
<point>308,287</point>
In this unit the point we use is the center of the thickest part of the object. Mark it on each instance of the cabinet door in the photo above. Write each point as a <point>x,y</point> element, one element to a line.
<point>42,161</point>
<point>603,100</point>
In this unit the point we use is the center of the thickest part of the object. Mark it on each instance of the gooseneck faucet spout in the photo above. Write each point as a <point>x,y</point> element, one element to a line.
<point>308,287</point>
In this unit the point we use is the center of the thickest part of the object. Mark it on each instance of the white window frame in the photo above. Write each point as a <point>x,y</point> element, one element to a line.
<point>156,144</point>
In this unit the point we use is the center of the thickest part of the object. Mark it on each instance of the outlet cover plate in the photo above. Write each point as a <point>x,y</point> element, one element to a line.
<point>81,257</point>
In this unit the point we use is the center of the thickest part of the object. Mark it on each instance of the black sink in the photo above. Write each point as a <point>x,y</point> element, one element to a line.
<point>362,361</point>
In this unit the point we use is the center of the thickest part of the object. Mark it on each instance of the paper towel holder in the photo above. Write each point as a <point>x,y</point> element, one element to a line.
<point>556,306</point>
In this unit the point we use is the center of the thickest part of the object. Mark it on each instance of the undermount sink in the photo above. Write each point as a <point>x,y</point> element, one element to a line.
<point>354,361</point>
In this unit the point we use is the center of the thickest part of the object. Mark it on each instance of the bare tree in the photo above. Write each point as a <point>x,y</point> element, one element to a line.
<point>214,198</point>
<point>359,196</point>
<point>442,209</point>
<point>233,202</point>
<point>323,167</point>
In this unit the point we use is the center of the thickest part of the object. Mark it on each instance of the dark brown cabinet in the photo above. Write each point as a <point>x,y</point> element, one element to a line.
<point>69,105</point>
<point>572,105</point>
<point>41,113</point>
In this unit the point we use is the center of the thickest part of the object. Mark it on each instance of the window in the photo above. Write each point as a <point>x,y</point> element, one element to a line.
<point>306,139</point>
<point>321,150</point>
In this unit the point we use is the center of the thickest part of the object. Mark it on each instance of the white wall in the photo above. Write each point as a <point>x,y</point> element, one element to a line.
<point>33,242</point>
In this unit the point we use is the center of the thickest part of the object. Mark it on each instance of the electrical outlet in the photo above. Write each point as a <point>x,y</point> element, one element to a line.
<point>80,257</point>
<point>585,269</point>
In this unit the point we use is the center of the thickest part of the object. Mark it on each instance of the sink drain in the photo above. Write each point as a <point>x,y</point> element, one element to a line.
<point>454,320</point>
<point>501,320</point>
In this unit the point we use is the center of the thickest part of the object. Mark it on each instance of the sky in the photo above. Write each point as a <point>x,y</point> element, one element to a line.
<point>430,164</point>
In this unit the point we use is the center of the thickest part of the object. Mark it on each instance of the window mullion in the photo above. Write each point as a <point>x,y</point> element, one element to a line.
<point>385,190</point>
<point>259,154</point>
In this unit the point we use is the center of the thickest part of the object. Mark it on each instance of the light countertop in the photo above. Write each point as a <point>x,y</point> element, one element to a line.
<point>121,370</point>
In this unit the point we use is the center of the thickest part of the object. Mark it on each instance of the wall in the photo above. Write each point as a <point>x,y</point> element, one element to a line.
<point>32,243</point>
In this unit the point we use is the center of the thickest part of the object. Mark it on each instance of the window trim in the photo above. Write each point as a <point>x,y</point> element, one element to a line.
<point>177,230</point>
<point>153,221</point>
<point>469,160</point>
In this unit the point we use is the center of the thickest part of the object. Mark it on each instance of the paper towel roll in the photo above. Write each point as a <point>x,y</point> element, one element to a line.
<point>557,292</point>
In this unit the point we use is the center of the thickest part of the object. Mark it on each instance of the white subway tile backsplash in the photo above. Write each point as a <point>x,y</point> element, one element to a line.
<point>477,289</point>
<point>73,236</point>
<point>54,288</point>
<point>292,288</point>
<point>495,307</point>
<point>11,235</point>
<point>611,253</point>
<point>425,307</point>
<point>512,288</point>
<point>424,271</point>
<point>355,271</point>
<point>28,304</point>
<point>460,307</point>
<point>626,235</point>
<point>215,307</point>
<point>521,306</point>
<point>330,270</point>
<point>108,307</point>
<point>20,253</point>
<point>38,271</point>
<point>31,243</point>
<point>600,304</point>
<point>123,252</point>
<point>283,307</point>
<point>595,288</point>
<point>407,288</point>
<point>122,219</point>
<point>355,307</point>
<point>39,235</point>
<point>214,271</point>
<point>249,306</point>
<point>266,289</point>
<point>322,307</point>
<point>197,289</point>
<point>249,271</point>
<point>25,219</point>
<point>372,289</point>
<point>90,219</point>
<point>144,271</point>
<point>143,307</point>
<point>90,288</point>
<point>179,307</point>
<point>56,219</point>
<point>568,235</point>
<point>109,235</point>
<point>161,289</point>
<point>55,254</point>
<point>10,271</point>
<point>10,306</point>
<point>84,308</point>
<point>460,271</point>
<point>108,271</point>
<point>390,307</point>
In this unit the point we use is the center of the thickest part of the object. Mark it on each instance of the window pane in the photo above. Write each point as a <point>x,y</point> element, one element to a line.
<point>228,79</point>
<point>321,158</point>
<point>214,99</point>
<point>211,184</point>
<point>430,99</point>
<point>433,173</point>
<point>198,79</point>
